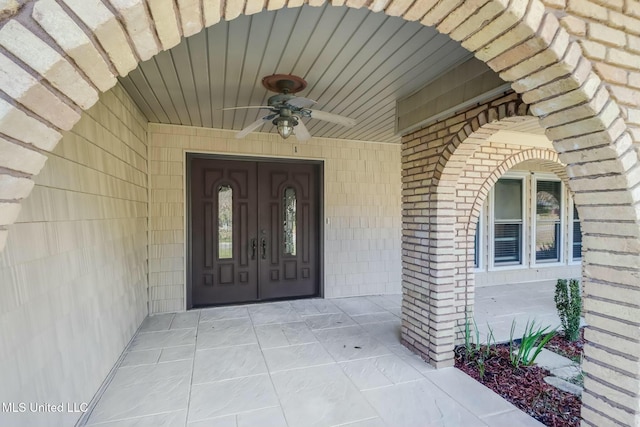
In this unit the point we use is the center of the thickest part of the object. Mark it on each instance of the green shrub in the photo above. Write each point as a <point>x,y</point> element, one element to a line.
<point>569,305</point>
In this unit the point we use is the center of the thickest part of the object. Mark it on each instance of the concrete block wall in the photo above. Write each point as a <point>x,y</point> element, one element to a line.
<point>73,276</point>
<point>362,218</point>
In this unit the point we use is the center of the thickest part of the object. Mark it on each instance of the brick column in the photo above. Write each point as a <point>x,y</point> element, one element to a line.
<point>432,160</point>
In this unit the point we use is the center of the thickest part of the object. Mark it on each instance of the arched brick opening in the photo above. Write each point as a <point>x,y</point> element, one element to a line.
<point>57,55</point>
<point>464,174</point>
<point>489,120</point>
<point>457,145</point>
<point>468,213</point>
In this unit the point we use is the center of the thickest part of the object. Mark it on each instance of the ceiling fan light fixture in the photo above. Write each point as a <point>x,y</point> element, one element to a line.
<point>285,126</point>
<point>288,110</point>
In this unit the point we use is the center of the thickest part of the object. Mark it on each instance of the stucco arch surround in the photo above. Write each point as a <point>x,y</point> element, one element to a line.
<point>57,55</point>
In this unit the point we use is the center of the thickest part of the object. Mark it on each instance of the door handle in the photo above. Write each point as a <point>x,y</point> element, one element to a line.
<point>264,248</point>
<point>254,248</point>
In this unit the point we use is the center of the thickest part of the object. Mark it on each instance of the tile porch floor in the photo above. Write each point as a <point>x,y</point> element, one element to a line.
<point>303,363</point>
<point>498,306</point>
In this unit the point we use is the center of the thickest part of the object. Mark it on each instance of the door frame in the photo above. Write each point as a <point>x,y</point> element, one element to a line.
<point>190,155</point>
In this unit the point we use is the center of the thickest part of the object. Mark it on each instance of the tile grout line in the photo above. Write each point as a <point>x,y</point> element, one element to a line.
<point>250,318</point>
<point>97,397</point>
<point>462,404</point>
<point>275,391</point>
<point>351,381</point>
<point>233,415</point>
<point>340,367</point>
<point>347,424</point>
<point>224,380</point>
<point>173,318</point>
<point>112,374</point>
<point>393,384</point>
<point>132,418</point>
<point>193,363</point>
<point>313,332</point>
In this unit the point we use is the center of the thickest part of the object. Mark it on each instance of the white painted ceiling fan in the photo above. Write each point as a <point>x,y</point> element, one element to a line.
<point>286,110</point>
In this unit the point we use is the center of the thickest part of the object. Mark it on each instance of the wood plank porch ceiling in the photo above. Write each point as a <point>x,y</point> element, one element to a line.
<point>357,63</point>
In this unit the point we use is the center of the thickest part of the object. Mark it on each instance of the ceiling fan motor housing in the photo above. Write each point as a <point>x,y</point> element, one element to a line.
<point>279,100</point>
<point>284,83</point>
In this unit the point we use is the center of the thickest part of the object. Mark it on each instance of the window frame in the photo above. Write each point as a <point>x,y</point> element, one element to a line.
<point>486,225</point>
<point>285,222</point>
<point>492,266</point>
<point>478,242</point>
<point>220,186</point>
<point>541,176</point>
<point>571,260</point>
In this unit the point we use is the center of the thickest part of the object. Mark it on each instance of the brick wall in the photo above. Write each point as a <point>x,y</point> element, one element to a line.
<point>609,34</point>
<point>591,116</point>
<point>481,171</point>
<point>437,207</point>
<point>361,204</point>
<point>73,276</point>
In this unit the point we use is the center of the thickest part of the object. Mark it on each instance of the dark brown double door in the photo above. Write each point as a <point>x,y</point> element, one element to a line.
<point>254,230</point>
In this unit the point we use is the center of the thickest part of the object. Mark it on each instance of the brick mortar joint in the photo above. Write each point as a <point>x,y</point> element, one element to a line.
<point>8,13</point>
<point>92,38</point>
<point>14,173</point>
<point>45,83</point>
<point>121,21</point>
<point>600,413</point>
<point>25,18</point>
<point>26,145</point>
<point>152,23</point>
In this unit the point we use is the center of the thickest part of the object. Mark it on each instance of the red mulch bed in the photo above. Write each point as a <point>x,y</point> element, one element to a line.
<point>572,350</point>
<point>524,387</point>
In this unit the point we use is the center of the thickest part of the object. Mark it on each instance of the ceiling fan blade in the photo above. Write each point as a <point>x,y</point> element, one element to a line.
<point>301,131</point>
<point>249,106</point>
<point>300,102</point>
<point>253,126</point>
<point>333,118</point>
